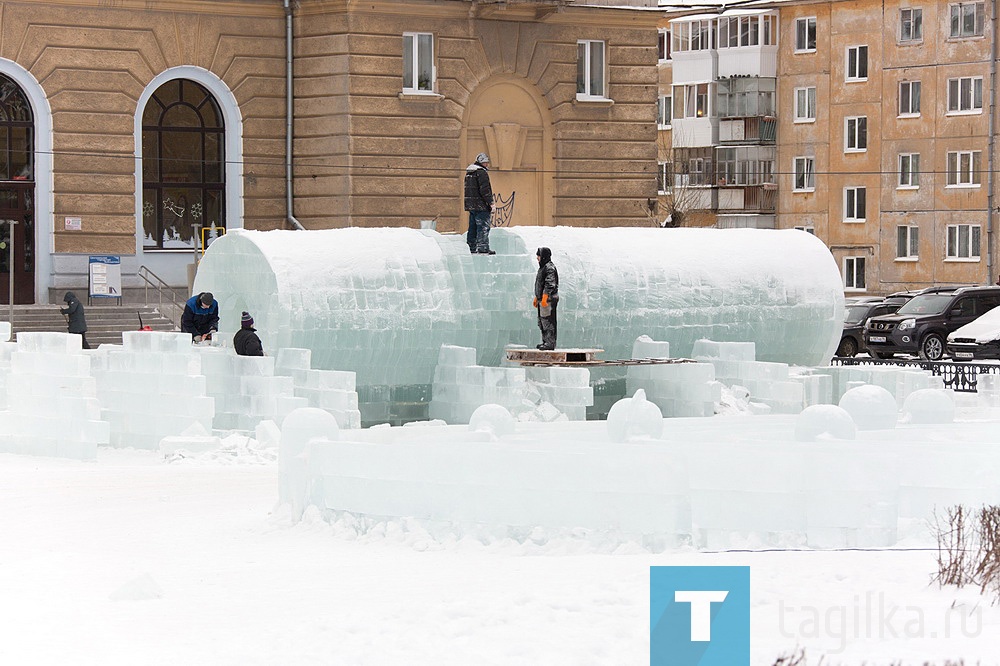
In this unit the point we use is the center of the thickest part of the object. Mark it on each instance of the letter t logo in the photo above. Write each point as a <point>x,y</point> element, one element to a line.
<point>701,610</point>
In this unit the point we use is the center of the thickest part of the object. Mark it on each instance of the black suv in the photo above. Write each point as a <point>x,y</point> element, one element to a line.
<point>923,324</point>
<point>858,312</point>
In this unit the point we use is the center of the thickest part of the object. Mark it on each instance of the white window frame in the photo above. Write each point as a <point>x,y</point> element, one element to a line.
<point>968,248</point>
<point>860,69</point>
<point>853,267</point>
<point>805,22</point>
<point>808,228</point>
<point>664,111</point>
<point>663,176</point>
<point>414,48</point>
<point>907,242</point>
<point>691,96</point>
<point>805,96</point>
<point>979,19</point>
<point>807,171</point>
<point>855,201</point>
<point>914,18</point>
<point>855,134</point>
<point>912,110</point>
<point>663,47</point>
<point>909,171</point>
<point>587,94</point>
<point>964,168</point>
<point>962,93</point>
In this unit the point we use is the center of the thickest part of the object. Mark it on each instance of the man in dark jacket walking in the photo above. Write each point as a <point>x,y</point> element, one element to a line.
<point>479,203</point>
<point>246,342</point>
<point>546,297</point>
<point>201,316</point>
<point>77,322</point>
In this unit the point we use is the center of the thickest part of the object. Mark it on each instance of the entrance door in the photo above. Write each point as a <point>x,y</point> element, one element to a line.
<point>16,203</point>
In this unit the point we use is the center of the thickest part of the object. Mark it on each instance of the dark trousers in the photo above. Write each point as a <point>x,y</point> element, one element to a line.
<point>478,237</point>
<point>547,324</point>
<point>83,335</point>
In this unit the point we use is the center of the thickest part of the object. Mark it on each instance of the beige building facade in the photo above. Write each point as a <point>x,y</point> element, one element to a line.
<point>144,129</point>
<point>883,137</point>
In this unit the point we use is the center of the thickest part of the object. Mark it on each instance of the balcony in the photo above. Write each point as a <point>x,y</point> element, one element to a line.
<point>752,130</point>
<point>760,198</point>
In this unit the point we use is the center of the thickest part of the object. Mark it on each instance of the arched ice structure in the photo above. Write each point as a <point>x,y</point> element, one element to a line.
<point>381,302</point>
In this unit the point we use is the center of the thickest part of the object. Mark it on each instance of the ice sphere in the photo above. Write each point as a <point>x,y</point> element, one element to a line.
<point>871,407</point>
<point>824,421</point>
<point>929,406</point>
<point>634,418</point>
<point>492,419</point>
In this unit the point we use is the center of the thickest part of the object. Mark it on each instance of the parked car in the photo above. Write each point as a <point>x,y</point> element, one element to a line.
<point>979,339</point>
<point>855,316</point>
<point>923,323</point>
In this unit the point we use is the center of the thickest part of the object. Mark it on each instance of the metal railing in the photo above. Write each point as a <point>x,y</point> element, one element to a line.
<point>152,280</point>
<point>961,377</point>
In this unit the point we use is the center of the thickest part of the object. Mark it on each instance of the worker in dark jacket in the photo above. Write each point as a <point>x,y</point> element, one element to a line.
<point>546,297</point>
<point>201,316</point>
<point>479,203</point>
<point>77,322</point>
<point>246,342</point>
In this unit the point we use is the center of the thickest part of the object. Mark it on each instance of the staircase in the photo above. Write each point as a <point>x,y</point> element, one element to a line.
<point>105,323</point>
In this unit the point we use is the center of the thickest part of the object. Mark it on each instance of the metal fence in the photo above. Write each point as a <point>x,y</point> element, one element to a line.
<point>962,377</point>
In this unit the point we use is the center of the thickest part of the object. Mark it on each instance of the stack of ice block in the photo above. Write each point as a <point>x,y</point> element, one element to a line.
<point>768,383</point>
<point>6,349</point>
<point>566,389</point>
<point>900,381</point>
<point>151,387</point>
<point>5,329</point>
<point>51,399</point>
<point>678,389</point>
<point>334,391</point>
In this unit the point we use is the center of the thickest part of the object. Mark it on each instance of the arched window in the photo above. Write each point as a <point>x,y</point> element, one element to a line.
<point>17,191</point>
<point>183,166</point>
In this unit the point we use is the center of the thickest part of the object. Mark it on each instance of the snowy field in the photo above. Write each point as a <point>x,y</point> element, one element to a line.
<point>136,559</point>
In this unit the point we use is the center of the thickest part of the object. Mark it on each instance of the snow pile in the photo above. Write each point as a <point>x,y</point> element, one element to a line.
<point>824,421</point>
<point>929,406</point>
<point>871,407</point>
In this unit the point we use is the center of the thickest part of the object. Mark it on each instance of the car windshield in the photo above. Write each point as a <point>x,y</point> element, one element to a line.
<point>855,313</point>
<point>926,304</point>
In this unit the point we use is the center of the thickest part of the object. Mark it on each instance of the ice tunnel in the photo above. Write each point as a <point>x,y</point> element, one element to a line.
<point>382,301</point>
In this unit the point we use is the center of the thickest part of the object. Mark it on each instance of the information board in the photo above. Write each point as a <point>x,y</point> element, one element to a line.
<point>105,277</point>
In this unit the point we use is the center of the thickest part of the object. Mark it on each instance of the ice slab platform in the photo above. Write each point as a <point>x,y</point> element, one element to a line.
<point>578,357</point>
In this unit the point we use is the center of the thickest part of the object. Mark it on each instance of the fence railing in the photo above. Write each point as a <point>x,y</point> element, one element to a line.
<point>153,281</point>
<point>961,377</point>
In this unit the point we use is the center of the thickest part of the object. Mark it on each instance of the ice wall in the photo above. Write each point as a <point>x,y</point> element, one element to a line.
<point>381,302</point>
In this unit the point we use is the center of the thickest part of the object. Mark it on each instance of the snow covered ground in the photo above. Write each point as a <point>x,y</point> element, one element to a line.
<point>136,559</point>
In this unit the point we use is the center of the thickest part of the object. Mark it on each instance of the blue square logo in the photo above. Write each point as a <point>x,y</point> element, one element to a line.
<point>699,616</point>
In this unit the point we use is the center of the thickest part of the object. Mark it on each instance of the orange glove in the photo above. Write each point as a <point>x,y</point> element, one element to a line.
<point>545,300</point>
<point>534,302</point>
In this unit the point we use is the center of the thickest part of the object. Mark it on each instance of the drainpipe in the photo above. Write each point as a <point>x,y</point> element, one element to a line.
<point>990,209</point>
<point>289,209</point>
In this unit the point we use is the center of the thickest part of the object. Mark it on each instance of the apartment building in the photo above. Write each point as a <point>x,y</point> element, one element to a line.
<point>882,135</point>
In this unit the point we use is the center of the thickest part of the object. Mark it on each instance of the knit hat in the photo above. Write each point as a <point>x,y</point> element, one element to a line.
<point>482,158</point>
<point>246,321</point>
<point>206,298</point>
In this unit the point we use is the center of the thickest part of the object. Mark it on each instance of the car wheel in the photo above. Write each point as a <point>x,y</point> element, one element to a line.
<point>932,347</point>
<point>848,348</point>
<point>880,355</point>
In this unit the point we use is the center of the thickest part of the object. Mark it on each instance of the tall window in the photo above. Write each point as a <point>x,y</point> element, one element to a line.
<point>964,168</point>
<point>909,170</point>
<point>854,273</point>
<point>805,174</point>
<point>963,241</point>
<point>855,134</point>
<point>965,94</point>
<point>745,96</point>
<point>183,165</point>
<point>967,19</point>
<point>664,177</point>
<point>663,46</point>
<point>857,63</point>
<point>909,98</point>
<point>907,242</point>
<point>590,69</point>
<point>911,24</point>
<point>696,98</point>
<point>805,104</point>
<point>418,62</point>
<point>692,36</point>
<point>17,148</point>
<point>854,204</point>
<point>805,34</point>
<point>745,31</point>
<point>664,111</point>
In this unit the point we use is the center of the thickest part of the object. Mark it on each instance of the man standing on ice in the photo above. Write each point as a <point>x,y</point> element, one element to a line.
<point>201,316</point>
<point>546,297</point>
<point>479,203</point>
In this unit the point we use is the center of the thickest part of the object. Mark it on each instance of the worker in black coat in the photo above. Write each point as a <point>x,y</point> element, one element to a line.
<point>77,322</point>
<point>246,342</point>
<point>546,297</point>
<point>201,316</point>
<point>479,203</point>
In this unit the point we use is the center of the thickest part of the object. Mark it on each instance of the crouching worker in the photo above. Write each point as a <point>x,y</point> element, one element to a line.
<point>201,316</point>
<point>246,342</point>
<point>546,297</point>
